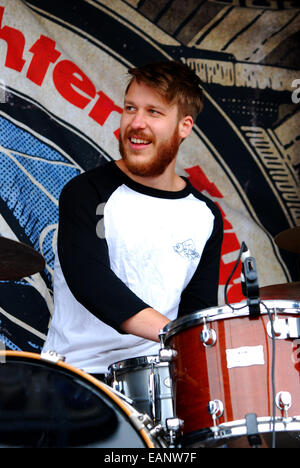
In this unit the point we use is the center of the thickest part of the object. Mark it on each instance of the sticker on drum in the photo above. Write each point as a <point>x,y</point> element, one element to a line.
<point>222,375</point>
<point>54,405</point>
<point>146,381</point>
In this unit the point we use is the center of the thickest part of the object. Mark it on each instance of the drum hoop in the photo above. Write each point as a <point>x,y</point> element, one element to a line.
<point>102,386</point>
<point>134,363</point>
<point>225,312</point>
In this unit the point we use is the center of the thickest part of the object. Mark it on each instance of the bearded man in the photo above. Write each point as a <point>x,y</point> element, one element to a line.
<point>138,246</point>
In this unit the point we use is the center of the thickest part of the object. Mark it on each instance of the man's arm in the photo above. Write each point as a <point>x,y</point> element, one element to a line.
<point>147,324</point>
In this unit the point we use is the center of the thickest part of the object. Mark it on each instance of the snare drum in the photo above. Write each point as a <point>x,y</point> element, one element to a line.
<point>53,405</point>
<point>146,381</point>
<point>222,376</point>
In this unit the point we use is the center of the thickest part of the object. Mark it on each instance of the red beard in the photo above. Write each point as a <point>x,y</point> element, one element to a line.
<point>156,165</point>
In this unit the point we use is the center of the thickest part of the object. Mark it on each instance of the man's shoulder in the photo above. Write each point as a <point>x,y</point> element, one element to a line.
<point>97,179</point>
<point>204,198</point>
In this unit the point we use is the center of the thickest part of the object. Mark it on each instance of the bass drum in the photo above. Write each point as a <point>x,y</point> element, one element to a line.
<point>54,405</point>
<point>228,390</point>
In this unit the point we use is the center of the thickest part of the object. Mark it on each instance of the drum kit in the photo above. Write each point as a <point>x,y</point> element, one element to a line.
<point>222,378</point>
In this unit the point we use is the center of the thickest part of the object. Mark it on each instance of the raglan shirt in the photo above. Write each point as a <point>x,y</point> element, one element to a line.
<point>123,247</point>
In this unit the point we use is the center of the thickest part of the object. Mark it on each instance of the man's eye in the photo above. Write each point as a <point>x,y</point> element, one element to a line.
<point>154,112</point>
<point>129,108</point>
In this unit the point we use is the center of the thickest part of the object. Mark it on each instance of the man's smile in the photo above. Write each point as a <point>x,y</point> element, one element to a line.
<point>137,142</point>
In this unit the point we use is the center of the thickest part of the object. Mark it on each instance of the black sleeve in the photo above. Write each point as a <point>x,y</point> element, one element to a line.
<point>202,290</point>
<point>84,257</point>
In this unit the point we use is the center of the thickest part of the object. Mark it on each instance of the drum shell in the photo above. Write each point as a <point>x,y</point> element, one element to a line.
<point>132,377</point>
<point>202,374</point>
<point>52,404</point>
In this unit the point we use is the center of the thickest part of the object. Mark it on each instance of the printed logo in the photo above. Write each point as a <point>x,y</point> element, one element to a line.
<point>296,93</point>
<point>187,249</point>
<point>100,229</point>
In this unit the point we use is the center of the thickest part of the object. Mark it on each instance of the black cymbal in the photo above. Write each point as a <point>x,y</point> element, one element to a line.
<point>289,240</point>
<point>18,260</point>
<point>281,291</point>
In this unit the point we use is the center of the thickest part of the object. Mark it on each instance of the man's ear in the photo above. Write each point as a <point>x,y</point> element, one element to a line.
<point>185,126</point>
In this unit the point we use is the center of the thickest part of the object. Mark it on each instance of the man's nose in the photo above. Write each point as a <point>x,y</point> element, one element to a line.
<point>138,121</point>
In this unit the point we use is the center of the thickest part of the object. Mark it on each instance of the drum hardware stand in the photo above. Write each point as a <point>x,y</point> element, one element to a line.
<point>52,356</point>
<point>252,430</point>
<point>153,385</point>
<point>115,384</point>
<point>173,426</point>
<point>142,420</point>
<point>169,434</point>
<point>283,401</point>
<point>249,282</point>
<point>250,287</point>
<point>208,335</point>
<point>165,354</point>
<point>120,394</point>
<point>216,409</point>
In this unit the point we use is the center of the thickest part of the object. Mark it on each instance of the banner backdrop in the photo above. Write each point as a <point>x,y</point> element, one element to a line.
<point>63,71</point>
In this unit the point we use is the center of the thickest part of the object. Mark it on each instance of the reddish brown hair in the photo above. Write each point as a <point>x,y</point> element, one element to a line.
<point>175,81</point>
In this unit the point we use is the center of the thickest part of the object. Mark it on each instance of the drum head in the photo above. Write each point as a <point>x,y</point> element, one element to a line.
<point>50,405</point>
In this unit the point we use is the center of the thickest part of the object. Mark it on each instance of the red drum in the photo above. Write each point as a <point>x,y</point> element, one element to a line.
<point>224,389</point>
<point>44,402</point>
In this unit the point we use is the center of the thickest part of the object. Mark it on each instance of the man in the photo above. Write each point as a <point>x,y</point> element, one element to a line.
<point>137,244</point>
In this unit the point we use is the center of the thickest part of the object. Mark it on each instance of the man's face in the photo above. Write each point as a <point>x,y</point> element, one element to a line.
<point>149,137</point>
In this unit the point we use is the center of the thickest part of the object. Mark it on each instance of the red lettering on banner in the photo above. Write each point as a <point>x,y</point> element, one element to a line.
<point>44,53</point>
<point>65,79</point>
<point>69,80</point>
<point>15,45</point>
<point>117,133</point>
<point>230,241</point>
<point>103,108</point>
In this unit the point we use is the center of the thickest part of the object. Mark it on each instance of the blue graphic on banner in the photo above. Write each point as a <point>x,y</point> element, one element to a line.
<point>32,177</point>
<point>33,174</point>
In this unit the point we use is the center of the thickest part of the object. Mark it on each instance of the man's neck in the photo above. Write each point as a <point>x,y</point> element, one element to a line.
<point>169,180</point>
